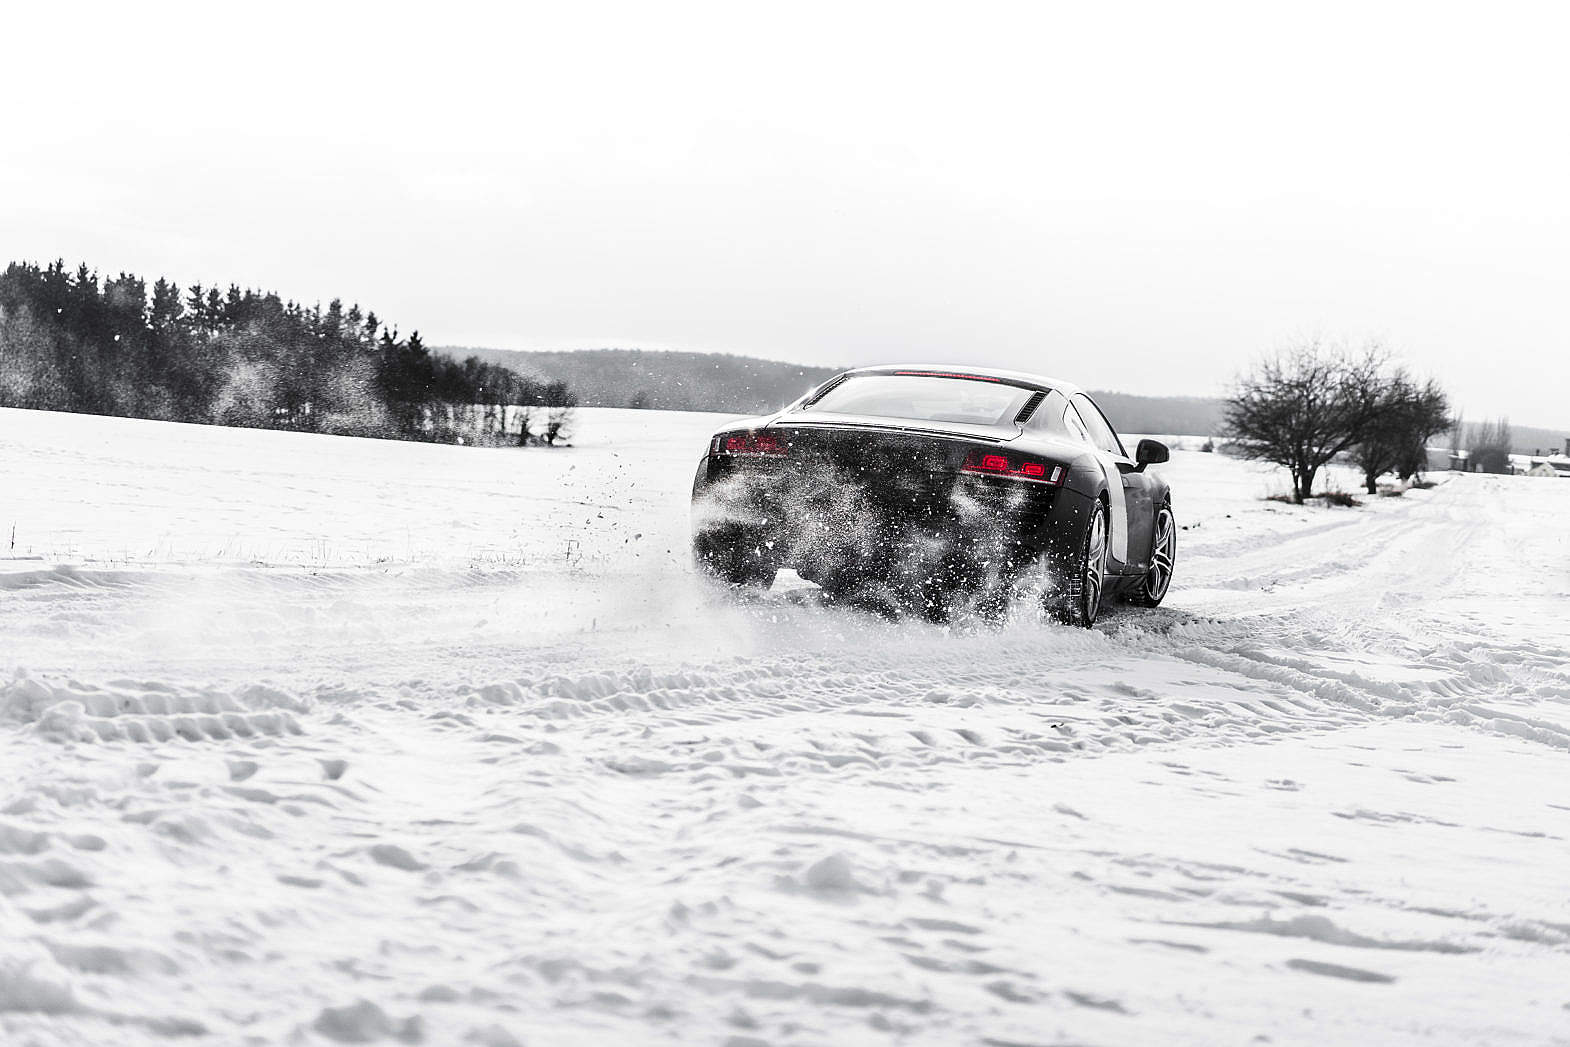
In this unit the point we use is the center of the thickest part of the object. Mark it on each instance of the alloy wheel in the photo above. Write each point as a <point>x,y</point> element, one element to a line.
<point>1095,564</point>
<point>1163,552</point>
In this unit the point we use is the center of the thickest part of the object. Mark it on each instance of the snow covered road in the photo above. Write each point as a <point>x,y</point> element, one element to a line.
<point>316,740</point>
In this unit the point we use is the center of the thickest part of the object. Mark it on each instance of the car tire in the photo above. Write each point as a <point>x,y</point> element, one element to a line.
<point>1152,589</point>
<point>730,560</point>
<point>1077,601</point>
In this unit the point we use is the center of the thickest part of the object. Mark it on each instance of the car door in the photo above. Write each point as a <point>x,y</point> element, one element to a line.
<point>1117,514</point>
<point>1129,490</point>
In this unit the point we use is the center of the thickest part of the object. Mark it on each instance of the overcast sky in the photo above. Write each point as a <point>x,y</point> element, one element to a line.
<point>1136,197</point>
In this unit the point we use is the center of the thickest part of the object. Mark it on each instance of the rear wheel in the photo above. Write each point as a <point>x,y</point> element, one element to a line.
<point>733,561</point>
<point>1079,595</point>
<point>1163,555</point>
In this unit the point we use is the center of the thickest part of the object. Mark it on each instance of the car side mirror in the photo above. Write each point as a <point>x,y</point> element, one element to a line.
<point>1151,452</point>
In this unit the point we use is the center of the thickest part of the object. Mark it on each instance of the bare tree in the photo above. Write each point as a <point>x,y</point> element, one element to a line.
<point>1396,437</point>
<point>1488,446</point>
<point>1302,407</point>
<point>560,402</point>
<point>558,425</point>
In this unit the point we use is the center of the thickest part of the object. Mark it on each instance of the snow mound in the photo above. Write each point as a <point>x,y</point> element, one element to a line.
<point>149,712</point>
<point>365,1022</point>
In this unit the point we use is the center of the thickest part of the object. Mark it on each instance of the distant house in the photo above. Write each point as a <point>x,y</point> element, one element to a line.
<point>1535,464</point>
<point>1550,465</point>
<point>1540,467</point>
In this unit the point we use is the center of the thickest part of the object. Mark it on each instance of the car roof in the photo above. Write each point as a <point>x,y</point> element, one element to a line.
<point>1039,381</point>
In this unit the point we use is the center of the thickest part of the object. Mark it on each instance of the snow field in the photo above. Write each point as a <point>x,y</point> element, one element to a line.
<point>317,740</point>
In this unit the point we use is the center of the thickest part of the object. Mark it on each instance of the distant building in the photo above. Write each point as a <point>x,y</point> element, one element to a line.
<point>1550,465</point>
<point>1535,464</point>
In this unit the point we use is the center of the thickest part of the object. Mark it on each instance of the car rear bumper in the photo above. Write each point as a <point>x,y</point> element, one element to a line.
<point>833,526</point>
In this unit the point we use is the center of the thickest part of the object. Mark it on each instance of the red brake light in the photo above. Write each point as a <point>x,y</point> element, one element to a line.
<point>1016,468</point>
<point>749,443</point>
<point>951,374</point>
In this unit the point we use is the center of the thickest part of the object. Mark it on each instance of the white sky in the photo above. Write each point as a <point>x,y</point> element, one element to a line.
<point>1135,196</point>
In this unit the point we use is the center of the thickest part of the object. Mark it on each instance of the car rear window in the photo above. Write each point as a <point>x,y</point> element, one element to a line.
<point>926,398</point>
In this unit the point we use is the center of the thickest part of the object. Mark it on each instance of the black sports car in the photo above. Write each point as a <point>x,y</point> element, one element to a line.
<point>935,488</point>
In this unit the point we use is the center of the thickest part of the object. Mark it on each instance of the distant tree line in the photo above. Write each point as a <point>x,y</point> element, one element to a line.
<point>1302,408</point>
<point>72,342</point>
<point>666,380</point>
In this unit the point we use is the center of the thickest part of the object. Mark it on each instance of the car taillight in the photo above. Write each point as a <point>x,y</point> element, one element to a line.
<point>749,443</point>
<point>992,463</point>
<point>950,374</point>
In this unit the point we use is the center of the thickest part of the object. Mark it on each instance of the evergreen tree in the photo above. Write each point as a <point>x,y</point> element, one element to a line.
<point>69,341</point>
<point>196,307</point>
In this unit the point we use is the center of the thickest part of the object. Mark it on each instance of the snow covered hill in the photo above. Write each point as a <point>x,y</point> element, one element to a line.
<point>316,740</point>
